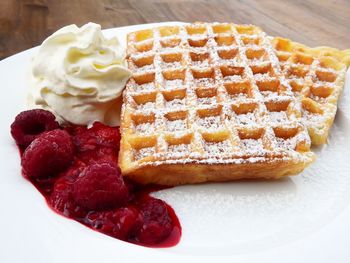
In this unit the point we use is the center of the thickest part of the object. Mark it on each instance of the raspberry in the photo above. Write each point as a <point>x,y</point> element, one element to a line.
<point>100,186</point>
<point>47,155</point>
<point>83,139</point>
<point>117,223</point>
<point>98,144</point>
<point>99,135</point>
<point>99,155</point>
<point>28,125</point>
<point>106,136</point>
<point>61,197</point>
<point>157,224</point>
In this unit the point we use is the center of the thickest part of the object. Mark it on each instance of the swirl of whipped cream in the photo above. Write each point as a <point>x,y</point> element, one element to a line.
<point>79,75</point>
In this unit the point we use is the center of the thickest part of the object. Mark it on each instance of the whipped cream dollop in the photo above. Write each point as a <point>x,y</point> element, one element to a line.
<point>79,75</point>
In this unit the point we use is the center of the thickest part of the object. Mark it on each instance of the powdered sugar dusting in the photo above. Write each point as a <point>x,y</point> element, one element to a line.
<point>278,117</point>
<point>211,122</point>
<point>224,75</point>
<point>145,128</point>
<point>176,125</point>
<point>218,149</point>
<point>306,78</point>
<point>144,152</point>
<point>250,146</point>
<point>248,119</point>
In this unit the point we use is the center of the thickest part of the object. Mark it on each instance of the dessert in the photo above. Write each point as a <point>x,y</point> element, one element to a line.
<point>75,168</point>
<point>208,102</point>
<point>29,124</point>
<point>317,77</point>
<point>48,155</point>
<point>79,75</point>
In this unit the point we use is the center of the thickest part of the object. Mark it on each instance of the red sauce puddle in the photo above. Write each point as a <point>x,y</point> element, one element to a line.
<point>139,193</point>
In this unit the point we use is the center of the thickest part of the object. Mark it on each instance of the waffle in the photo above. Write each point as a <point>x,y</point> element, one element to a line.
<point>316,76</point>
<point>208,102</point>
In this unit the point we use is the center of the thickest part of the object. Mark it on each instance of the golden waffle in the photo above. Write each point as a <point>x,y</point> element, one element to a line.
<point>208,102</point>
<point>316,76</point>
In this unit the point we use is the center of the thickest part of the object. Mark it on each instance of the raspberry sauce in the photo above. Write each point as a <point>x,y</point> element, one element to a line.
<point>140,219</point>
<point>45,187</point>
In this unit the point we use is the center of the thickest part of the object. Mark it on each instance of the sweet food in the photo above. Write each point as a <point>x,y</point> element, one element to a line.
<point>208,102</point>
<point>78,74</point>
<point>205,102</point>
<point>75,168</point>
<point>317,77</point>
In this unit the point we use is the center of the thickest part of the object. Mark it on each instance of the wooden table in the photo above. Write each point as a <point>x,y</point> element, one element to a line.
<point>26,23</point>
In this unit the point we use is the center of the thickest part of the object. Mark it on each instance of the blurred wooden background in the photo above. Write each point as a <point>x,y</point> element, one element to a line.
<point>26,23</point>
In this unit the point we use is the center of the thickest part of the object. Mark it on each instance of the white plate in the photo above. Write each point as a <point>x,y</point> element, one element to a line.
<point>305,218</point>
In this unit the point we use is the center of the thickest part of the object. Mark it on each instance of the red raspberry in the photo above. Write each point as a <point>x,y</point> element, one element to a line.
<point>28,125</point>
<point>157,224</point>
<point>61,197</point>
<point>99,155</point>
<point>117,223</point>
<point>47,155</point>
<point>100,186</point>
<point>83,139</point>
<point>98,144</point>
<point>106,136</point>
<point>98,135</point>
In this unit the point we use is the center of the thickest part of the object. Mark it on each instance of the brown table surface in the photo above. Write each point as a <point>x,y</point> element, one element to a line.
<point>26,23</point>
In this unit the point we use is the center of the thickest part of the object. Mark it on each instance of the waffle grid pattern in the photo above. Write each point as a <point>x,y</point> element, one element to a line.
<point>316,76</point>
<point>209,94</point>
